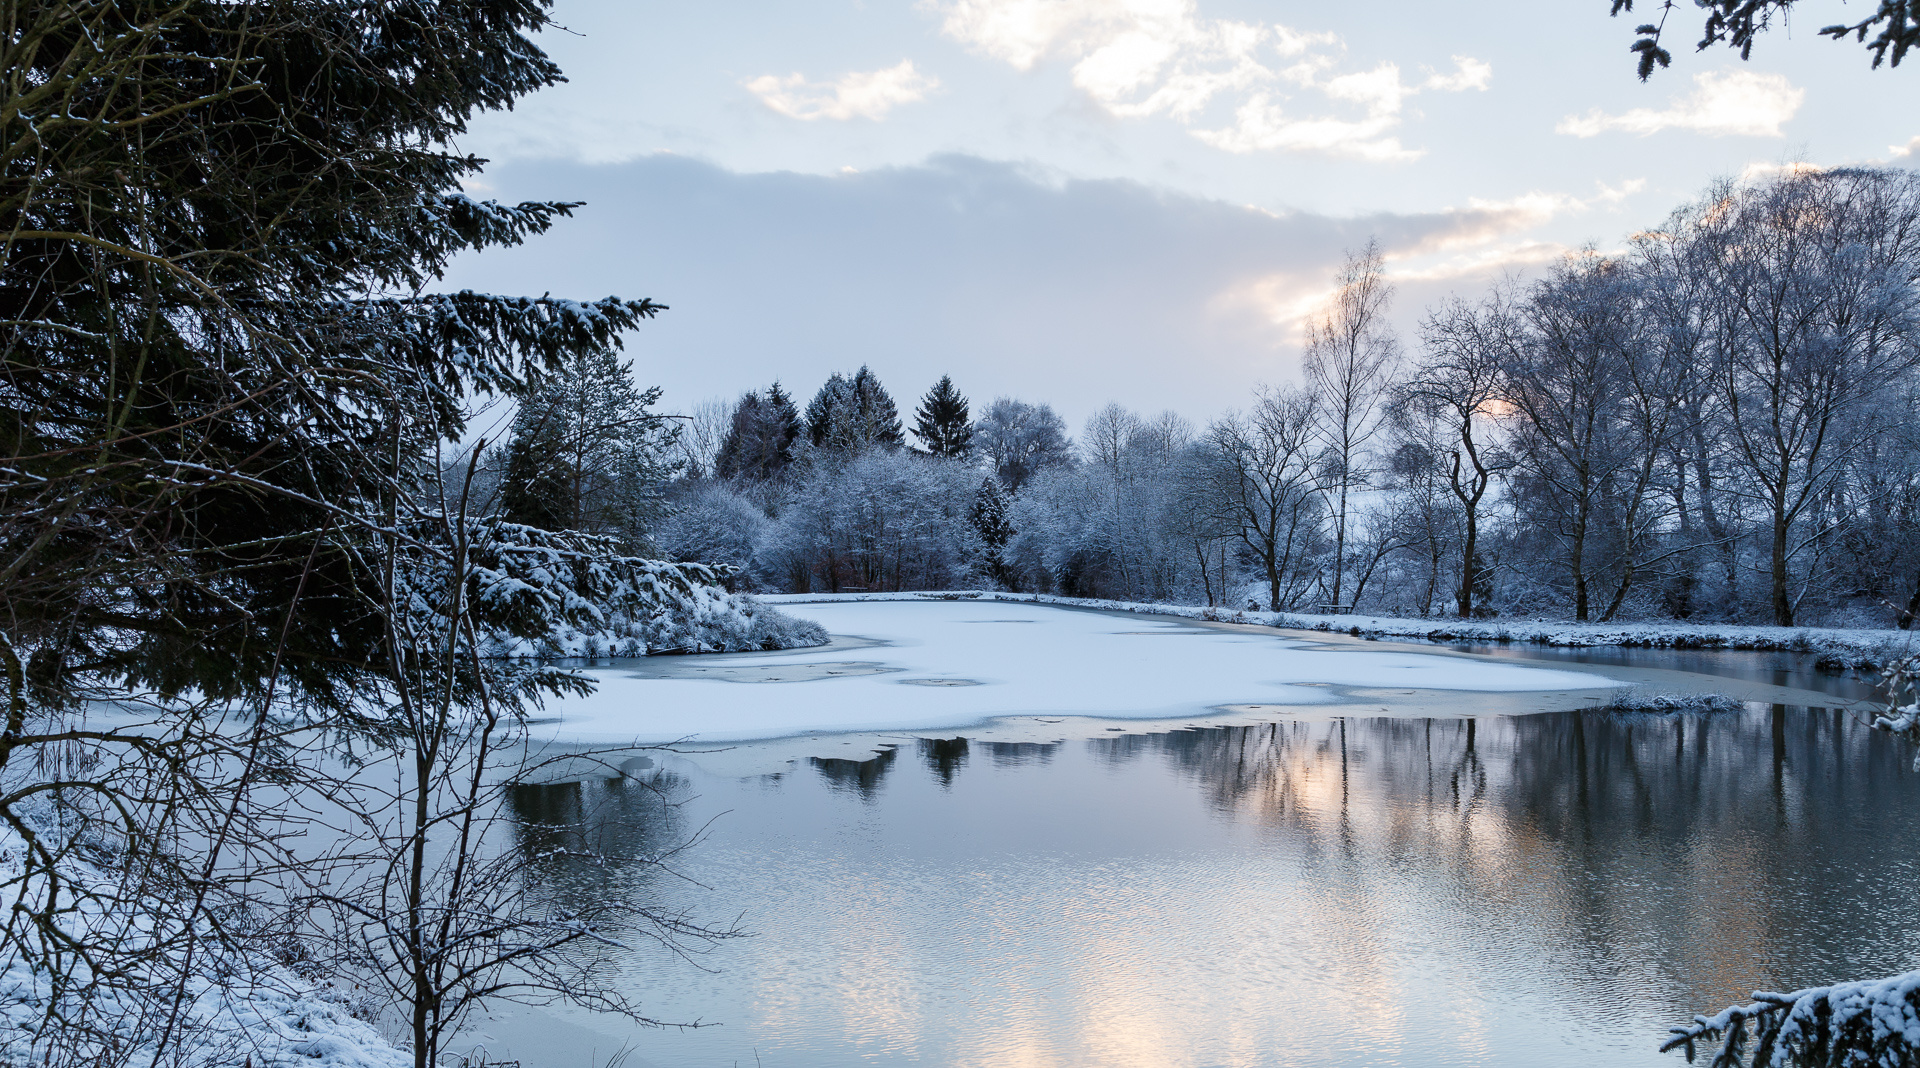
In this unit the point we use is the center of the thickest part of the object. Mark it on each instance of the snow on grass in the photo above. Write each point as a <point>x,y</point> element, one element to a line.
<point>954,663</point>
<point>233,1010</point>
<point>1837,647</point>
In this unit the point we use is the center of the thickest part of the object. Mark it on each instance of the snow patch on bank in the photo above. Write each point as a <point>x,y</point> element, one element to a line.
<point>1836,647</point>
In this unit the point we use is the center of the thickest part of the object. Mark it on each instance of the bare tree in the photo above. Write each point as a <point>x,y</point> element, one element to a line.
<point>1021,440</point>
<point>1565,383</point>
<point>1819,278</point>
<point>1107,433</point>
<point>701,433</point>
<point>1350,357</point>
<point>1448,405</point>
<point>1263,467</point>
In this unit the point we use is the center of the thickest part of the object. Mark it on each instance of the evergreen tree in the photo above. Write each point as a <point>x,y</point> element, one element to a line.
<point>587,454</point>
<point>877,419</point>
<point>854,413</point>
<point>783,428</point>
<point>221,346</point>
<point>760,439</point>
<point>831,414</point>
<point>736,449</point>
<point>989,518</point>
<point>941,422</point>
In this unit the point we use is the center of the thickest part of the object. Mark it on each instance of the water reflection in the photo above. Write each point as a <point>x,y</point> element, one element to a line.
<point>860,776</point>
<point>945,756</point>
<point>1497,891</point>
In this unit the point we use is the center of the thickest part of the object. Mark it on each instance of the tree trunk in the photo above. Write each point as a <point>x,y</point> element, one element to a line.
<point>1466,564</point>
<point>1782,606</point>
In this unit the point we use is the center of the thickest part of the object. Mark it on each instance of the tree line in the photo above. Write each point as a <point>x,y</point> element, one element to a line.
<point>1716,422</point>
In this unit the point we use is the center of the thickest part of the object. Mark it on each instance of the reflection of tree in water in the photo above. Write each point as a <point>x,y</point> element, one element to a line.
<point>1716,849</point>
<point>945,756</point>
<point>860,776</point>
<point>1753,822</point>
<point>1021,754</point>
<point>582,836</point>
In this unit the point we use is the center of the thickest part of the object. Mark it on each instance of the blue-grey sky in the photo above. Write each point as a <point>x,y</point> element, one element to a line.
<point>1135,200</point>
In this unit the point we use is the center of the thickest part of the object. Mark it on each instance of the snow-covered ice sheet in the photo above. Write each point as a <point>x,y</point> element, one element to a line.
<point>936,665</point>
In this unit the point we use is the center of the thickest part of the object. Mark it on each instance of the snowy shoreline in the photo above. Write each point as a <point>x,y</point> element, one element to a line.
<point>1837,648</point>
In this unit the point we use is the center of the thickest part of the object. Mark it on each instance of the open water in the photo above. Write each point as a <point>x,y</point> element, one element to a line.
<point>1497,890</point>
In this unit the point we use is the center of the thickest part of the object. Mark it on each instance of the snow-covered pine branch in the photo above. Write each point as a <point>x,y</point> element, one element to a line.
<point>540,593</point>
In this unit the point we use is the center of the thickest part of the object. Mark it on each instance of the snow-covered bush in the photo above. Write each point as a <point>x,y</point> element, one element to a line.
<point>547,594</point>
<point>714,523</point>
<point>882,519</point>
<point>1637,700</point>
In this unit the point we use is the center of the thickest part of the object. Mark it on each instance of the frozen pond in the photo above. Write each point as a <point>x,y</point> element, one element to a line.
<point>1247,878</point>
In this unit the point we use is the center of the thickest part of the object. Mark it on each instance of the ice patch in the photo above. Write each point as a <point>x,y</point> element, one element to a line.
<point>1076,664</point>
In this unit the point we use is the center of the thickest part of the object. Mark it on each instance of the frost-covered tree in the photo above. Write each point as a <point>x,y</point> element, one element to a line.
<point>942,423</point>
<point>1819,279</point>
<point>876,417</point>
<point>714,523</point>
<point>881,519</point>
<point>1021,439</point>
<point>1568,382</point>
<point>587,452</point>
<point>1444,422</point>
<point>1107,433</point>
<point>988,515</point>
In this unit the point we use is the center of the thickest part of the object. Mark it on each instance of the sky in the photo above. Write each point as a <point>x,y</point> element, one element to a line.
<point>1139,201</point>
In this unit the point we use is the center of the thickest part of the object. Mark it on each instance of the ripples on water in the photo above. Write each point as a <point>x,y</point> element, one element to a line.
<point>1507,891</point>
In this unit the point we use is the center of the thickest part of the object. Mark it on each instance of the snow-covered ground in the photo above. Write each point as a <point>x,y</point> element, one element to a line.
<point>239,1011</point>
<point>950,664</point>
<point>1836,646</point>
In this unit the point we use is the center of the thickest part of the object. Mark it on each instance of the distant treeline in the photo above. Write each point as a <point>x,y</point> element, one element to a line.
<point>1717,423</point>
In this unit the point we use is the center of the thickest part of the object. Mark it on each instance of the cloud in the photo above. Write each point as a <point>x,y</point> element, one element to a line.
<point>1728,104</point>
<point>1263,123</point>
<point>1469,73</point>
<point>1015,281</point>
<point>1907,149</point>
<point>856,95</point>
<point>1142,58</point>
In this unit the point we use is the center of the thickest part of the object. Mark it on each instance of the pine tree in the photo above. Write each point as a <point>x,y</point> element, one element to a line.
<point>876,416</point>
<point>853,414</point>
<point>735,457</point>
<point>760,439</point>
<point>587,455</point>
<point>941,422</point>
<point>830,415</point>
<point>988,515</point>
<point>783,429</point>
<point>221,344</point>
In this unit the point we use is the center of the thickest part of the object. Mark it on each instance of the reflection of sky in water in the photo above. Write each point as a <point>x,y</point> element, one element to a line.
<point>1366,893</point>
